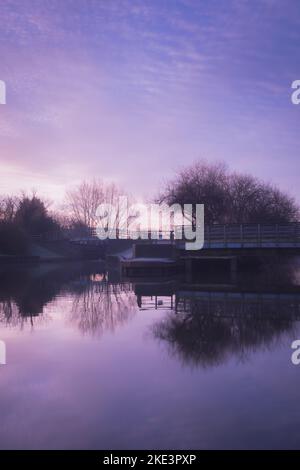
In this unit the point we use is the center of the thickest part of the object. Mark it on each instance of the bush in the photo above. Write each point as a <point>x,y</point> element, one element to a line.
<point>32,216</point>
<point>13,240</point>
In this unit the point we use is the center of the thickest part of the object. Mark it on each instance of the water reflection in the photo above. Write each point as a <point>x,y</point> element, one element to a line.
<point>207,331</point>
<point>202,324</point>
<point>213,322</point>
<point>97,304</point>
<point>102,306</point>
<point>89,389</point>
<point>30,289</point>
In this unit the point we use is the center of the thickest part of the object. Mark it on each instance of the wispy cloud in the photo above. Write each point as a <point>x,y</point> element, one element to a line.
<point>97,86</point>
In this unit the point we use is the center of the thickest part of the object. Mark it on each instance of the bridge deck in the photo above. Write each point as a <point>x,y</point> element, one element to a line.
<point>237,236</point>
<point>230,236</point>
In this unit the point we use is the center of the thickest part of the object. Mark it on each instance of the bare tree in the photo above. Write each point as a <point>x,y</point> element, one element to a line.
<point>229,197</point>
<point>8,207</point>
<point>251,200</point>
<point>200,183</point>
<point>82,202</point>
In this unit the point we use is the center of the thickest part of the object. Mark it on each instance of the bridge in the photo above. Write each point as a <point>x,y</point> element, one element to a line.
<point>223,246</point>
<point>215,236</point>
<point>166,253</point>
<point>236,236</point>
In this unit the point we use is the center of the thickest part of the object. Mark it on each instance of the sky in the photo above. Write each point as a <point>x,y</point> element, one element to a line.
<point>130,91</point>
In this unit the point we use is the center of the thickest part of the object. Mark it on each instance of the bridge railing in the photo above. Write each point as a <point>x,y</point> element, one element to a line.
<point>217,234</point>
<point>253,234</point>
<point>67,234</point>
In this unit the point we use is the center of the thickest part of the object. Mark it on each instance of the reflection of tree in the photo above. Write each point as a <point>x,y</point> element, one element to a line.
<point>96,304</point>
<point>23,295</point>
<point>30,289</point>
<point>210,332</point>
<point>102,306</point>
<point>10,315</point>
<point>274,274</point>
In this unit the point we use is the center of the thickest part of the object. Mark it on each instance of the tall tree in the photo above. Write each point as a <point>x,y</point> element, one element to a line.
<point>32,216</point>
<point>229,197</point>
<point>82,201</point>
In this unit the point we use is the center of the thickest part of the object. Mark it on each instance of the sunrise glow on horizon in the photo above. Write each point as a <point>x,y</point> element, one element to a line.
<point>130,91</point>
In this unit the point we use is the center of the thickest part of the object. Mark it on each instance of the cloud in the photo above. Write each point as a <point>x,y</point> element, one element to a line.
<point>106,87</point>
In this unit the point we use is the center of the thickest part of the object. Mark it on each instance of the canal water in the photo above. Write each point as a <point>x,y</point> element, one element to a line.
<point>95,362</point>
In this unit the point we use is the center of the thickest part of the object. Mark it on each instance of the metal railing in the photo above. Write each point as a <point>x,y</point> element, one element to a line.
<point>229,235</point>
<point>249,235</point>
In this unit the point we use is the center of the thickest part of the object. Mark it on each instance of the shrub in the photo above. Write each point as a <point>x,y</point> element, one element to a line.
<point>13,240</point>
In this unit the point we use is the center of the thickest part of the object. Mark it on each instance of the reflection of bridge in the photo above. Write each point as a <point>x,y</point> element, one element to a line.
<point>234,304</point>
<point>219,298</point>
<point>225,304</point>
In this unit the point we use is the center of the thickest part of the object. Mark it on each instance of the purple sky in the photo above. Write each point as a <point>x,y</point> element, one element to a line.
<point>130,90</point>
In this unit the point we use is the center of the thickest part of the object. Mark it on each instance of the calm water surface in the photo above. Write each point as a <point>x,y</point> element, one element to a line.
<point>95,363</point>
